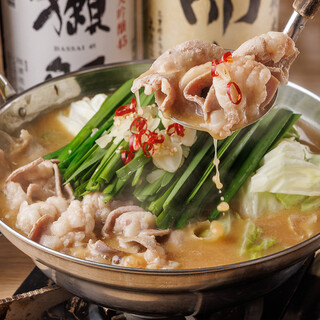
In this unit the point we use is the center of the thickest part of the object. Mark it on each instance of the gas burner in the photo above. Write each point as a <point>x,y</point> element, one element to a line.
<point>39,298</point>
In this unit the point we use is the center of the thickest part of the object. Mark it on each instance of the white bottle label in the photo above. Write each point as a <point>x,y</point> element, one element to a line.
<point>47,38</point>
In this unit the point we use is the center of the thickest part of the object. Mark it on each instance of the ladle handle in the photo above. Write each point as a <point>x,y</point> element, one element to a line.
<point>304,10</point>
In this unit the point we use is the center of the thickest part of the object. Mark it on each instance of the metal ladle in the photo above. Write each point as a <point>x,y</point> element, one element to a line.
<point>304,10</point>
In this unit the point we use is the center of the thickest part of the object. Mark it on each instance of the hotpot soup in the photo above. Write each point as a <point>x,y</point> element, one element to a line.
<point>270,212</point>
<point>115,180</point>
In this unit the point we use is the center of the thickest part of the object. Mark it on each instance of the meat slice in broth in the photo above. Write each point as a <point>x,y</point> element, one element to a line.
<point>25,144</point>
<point>114,215</point>
<point>40,227</point>
<point>39,179</point>
<point>49,214</point>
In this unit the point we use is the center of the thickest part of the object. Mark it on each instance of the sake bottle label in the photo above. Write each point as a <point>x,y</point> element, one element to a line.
<point>225,22</point>
<point>47,38</point>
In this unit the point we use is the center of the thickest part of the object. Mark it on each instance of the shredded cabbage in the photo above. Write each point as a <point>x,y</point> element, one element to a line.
<point>290,200</point>
<point>289,168</point>
<point>289,176</point>
<point>253,243</point>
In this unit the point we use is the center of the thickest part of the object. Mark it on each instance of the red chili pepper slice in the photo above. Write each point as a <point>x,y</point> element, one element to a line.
<point>127,108</point>
<point>175,128</point>
<point>138,125</point>
<point>227,57</point>
<point>214,72</point>
<point>134,142</point>
<point>239,94</point>
<point>143,136</point>
<point>171,129</point>
<point>148,149</point>
<point>127,156</point>
<point>155,138</point>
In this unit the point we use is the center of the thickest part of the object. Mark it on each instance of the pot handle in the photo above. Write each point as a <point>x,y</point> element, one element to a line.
<point>6,89</point>
<point>304,10</point>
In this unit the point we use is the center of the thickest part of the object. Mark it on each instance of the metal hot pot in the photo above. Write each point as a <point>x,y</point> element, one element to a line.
<point>150,293</point>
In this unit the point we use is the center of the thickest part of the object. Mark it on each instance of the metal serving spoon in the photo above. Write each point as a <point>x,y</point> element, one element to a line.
<point>304,10</point>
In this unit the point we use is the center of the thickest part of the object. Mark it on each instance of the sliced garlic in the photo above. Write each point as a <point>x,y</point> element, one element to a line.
<point>223,71</point>
<point>168,155</point>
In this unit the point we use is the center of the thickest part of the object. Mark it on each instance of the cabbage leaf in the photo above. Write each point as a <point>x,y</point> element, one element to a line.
<point>289,176</point>
<point>253,243</point>
<point>289,168</point>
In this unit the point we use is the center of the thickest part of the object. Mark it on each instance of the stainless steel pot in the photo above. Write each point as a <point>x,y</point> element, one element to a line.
<point>151,292</point>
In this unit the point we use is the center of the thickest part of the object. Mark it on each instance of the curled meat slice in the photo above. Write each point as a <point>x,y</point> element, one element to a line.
<point>185,56</point>
<point>154,254</point>
<point>15,146</point>
<point>257,88</point>
<point>99,251</point>
<point>232,96</point>
<point>113,215</point>
<point>131,224</point>
<point>100,248</point>
<point>274,49</point>
<point>165,73</point>
<point>155,232</point>
<point>137,235</point>
<point>39,179</point>
<point>31,172</point>
<point>195,84</point>
<point>40,227</point>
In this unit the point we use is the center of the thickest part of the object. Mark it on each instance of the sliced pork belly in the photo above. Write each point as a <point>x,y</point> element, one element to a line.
<point>224,99</point>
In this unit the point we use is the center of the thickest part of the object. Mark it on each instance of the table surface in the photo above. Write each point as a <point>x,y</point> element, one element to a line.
<point>15,266</point>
